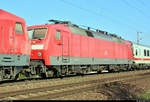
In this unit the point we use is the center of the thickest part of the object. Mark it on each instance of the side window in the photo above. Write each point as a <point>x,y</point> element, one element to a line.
<point>147,52</point>
<point>136,52</point>
<point>18,28</point>
<point>58,35</point>
<point>30,33</point>
<point>144,52</point>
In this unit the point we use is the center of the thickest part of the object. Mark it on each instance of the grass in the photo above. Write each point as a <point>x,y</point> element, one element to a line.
<point>145,96</point>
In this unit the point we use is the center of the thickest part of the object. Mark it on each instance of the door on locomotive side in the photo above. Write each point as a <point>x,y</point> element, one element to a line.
<point>19,37</point>
<point>65,47</point>
<point>7,37</point>
<point>62,38</point>
<point>12,39</point>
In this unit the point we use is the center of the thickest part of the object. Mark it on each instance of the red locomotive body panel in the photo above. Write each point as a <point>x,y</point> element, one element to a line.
<point>14,41</point>
<point>75,49</point>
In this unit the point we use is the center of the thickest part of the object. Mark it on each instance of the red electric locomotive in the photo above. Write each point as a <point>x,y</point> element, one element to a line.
<point>63,48</point>
<point>14,45</point>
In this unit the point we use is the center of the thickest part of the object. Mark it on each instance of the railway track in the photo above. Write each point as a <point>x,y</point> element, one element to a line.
<point>29,84</point>
<point>52,92</point>
<point>39,80</point>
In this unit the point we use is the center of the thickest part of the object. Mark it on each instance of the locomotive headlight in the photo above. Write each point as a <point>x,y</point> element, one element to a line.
<point>39,54</point>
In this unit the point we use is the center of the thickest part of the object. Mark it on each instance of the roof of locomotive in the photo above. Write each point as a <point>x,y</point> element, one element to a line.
<point>4,15</point>
<point>99,34</point>
<point>37,26</point>
<point>85,32</point>
<point>57,26</point>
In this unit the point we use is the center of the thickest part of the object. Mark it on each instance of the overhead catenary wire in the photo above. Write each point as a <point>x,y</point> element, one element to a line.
<point>98,14</point>
<point>125,24</point>
<point>137,9</point>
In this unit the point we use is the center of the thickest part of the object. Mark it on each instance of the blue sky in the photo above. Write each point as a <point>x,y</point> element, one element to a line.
<point>122,17</point>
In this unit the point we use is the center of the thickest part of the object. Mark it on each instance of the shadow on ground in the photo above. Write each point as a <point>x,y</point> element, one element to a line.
<point>119,91</point>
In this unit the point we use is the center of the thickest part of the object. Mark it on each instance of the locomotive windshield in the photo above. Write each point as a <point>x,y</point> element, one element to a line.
<point>37,33</point>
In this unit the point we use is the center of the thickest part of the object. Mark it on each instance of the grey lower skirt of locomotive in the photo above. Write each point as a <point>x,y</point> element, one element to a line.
<point>11,65</point>
<point>38,70</point>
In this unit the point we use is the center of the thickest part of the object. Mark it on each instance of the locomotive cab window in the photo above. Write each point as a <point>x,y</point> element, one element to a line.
<point>30,32</point>
<point>58,35</point>
<point>37,33</point>
<point>19,28</point>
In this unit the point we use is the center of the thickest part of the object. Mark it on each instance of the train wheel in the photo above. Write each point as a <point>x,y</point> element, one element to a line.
<point>50,73</point>
<point>112,71</point>
<point>59,75</point>
<point>17,77</point>
<point>43,75</point>
<point>99,72</point>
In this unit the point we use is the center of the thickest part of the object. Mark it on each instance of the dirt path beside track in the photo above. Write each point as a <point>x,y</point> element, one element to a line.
<point>129,89</point>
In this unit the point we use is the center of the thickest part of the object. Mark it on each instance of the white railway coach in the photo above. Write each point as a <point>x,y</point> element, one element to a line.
<point>141,54</point>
